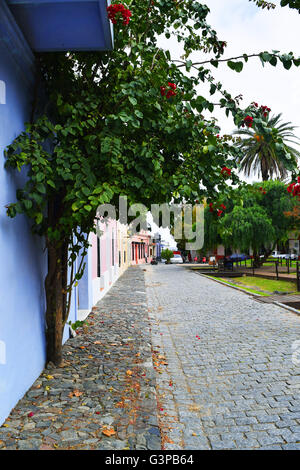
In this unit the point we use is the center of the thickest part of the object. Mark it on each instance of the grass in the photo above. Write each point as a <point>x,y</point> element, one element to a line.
<point>258,285</point>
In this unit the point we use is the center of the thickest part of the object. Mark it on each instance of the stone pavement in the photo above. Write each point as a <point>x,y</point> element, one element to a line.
<point>103,396</point>
<point>225,374</point>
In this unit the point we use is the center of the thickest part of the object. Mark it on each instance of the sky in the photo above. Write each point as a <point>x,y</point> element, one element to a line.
<point>249,29</point>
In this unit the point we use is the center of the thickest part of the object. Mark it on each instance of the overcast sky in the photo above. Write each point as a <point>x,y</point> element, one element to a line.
<point>249,29</point>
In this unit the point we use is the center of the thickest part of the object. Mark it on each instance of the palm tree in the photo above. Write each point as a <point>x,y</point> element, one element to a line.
<point>261,154</point>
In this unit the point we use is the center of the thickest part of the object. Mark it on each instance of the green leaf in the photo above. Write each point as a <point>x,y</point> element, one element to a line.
<point>236,66</point>
<point>39,217</point>
<point>132,100</point>
<point>138,114</point>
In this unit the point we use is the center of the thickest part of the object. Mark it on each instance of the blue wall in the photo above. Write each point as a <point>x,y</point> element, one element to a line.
<point>23,262</point>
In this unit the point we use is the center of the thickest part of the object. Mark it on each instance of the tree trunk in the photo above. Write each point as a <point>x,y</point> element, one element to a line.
<point>55,285</point>
<point>264,170</point>
<point>256,260</point>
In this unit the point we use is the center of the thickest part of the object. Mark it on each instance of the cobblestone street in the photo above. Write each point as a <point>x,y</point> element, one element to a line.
<point>227,380</point>
<point>219,374</point>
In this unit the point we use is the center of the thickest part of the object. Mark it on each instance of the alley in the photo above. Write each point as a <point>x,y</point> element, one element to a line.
<point>227,380</point>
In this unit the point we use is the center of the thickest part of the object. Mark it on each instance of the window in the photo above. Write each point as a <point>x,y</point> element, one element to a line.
<point>124,256</point>
<point>132,251</point>
<point>112,249</point>
<point>119,259</point>
<point>98,258</point>
<point>2,92</point>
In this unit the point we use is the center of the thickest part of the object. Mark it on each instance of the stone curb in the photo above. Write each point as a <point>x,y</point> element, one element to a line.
<point>291,309</point>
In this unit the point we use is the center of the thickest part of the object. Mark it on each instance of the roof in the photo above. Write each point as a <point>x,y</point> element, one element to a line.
<point>64,25</point>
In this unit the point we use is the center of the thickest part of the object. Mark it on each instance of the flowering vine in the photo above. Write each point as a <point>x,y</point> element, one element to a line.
<point>117,12</point>
<point>168,92</point>
<point>226,170</point>
<point>219,210</point>
<point>294,188</point>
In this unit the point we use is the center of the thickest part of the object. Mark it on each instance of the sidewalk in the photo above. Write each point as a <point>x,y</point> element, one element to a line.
<point>103,396</point>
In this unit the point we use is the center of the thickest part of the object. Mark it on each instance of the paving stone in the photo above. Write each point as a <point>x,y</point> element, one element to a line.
<point>228,358</point>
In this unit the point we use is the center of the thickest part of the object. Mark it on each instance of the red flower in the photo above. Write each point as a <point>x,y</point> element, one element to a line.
<point>226,170</point>
<point>219,212</point>
<point>171,92</point>
<point>248,121</point>
<point>290,187</point>
<point>30,414</point>
<point>118,11</point>
<point>223,207</point>
<point>296,190</point>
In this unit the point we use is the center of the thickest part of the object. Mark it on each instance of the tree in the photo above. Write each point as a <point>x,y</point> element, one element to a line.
<point>123,122</point>
<point>266,145</point>
<point>167,255</point>
<point>257,219</point>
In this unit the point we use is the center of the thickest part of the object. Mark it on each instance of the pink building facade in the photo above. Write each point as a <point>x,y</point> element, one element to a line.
<point>141,248</point>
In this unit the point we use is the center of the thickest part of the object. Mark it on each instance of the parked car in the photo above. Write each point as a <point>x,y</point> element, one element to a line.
<point>176,259</point>
<point>238,257</point>
<point>292,256</point>
<point>276,254</point>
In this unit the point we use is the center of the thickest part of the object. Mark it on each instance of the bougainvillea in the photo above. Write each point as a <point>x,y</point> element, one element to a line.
<point>248,121</point>
<point>226,170</point>
<point>294,188</point>
<point>117,12</point>
<point>164,91</point>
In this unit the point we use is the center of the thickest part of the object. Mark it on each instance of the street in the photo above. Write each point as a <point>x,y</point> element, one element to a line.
<point>230,382</point>
<point>168,360</point>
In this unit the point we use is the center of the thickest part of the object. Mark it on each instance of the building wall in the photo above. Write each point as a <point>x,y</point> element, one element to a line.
<point>105,269</point>
<point>23,262</point>
<point>141,248</point>
<point>124,245</point>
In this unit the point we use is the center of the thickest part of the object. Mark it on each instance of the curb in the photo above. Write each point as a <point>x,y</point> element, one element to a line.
<point>286,307</point>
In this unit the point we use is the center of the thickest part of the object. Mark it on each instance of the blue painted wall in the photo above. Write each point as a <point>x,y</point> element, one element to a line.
<point>23,262</point>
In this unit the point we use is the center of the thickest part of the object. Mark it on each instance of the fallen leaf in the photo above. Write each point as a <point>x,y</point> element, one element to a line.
<point>129,372</point>
<point>108,432</point>
<point>75,393</point>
